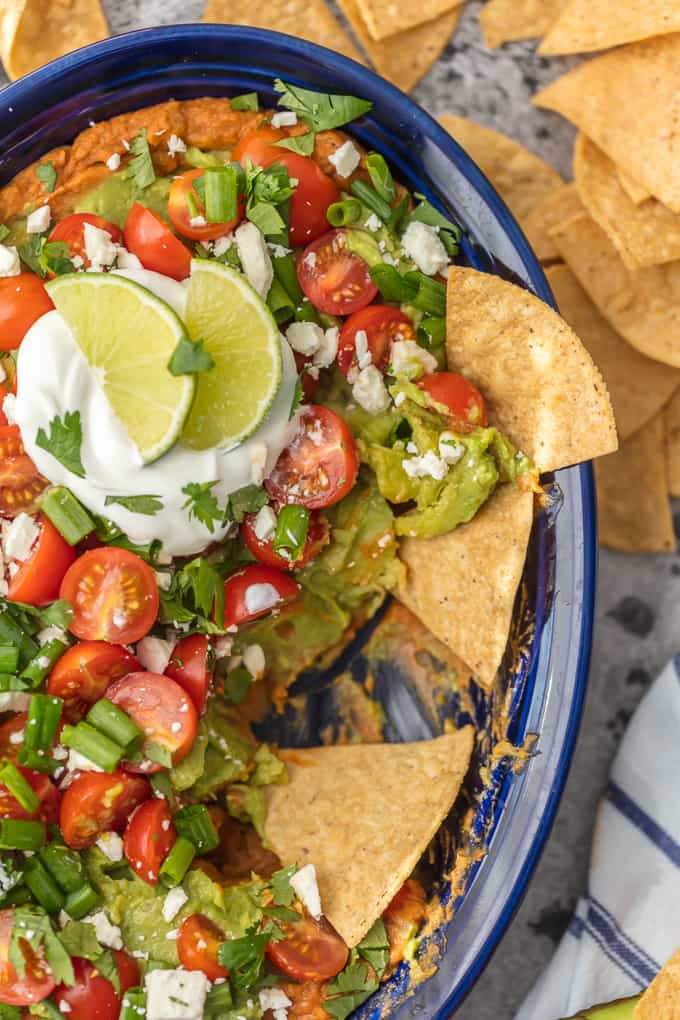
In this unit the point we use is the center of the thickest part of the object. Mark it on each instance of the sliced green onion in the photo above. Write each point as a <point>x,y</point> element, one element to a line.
<point>195,824</point>
<point>38,761</point>
<point>42,885</point>
<point>285,272</point>
<point>279,302</point>
<point>44,714</point>
<point>306,312</point>
<point>41,664</point>
<point>20,788</point>
<point>399,213</point>
<point>430,295</point>
<point>218,1001</point>
<point>93,745</point>
<point>69,517</point>
<point>371,199</point>
<point>291,530</point>
<point>392,285</point>
<point>12,634</point>
<point>221,199</point>
<point>9,658</point>
<point>192,202</point>
<point>82,901</point>
<point>432,331</point>
<point>344,213</point>
<point>381,177</point>
<point>133,1005</point>
<point>176,864</point>
<point>18,834</point>
<point>115,724</point>
<point>64,865</point>
<point>17,896</point>
<point>10,682</point>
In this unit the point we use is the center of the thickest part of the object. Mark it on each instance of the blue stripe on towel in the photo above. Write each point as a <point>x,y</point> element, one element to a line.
<point>642,821</point>
<point>618,947</point>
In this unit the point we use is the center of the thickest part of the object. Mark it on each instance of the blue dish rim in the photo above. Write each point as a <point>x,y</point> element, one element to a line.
<point>20,97</point>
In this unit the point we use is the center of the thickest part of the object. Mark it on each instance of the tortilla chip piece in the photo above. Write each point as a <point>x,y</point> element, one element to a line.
<point>33,32</point>
<point>587,25</point>
<point>559,205</point>
<point>463,585</point>
<point>508,20</point>
<point>661,1001</point>
<point>385,18</point>
<point>672,422</point>
<point>633,508</point>
<point>638,386</point>
<point>541,386</point>
<point>305,19</point>
<point>363,815</point>
<point>637,193</point>
<point>406,57</point>
<point>643,306</point>
<point>644,235</point>
<point>628,102</point>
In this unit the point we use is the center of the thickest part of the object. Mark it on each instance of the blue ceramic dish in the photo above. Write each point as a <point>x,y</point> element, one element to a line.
<point>543,687</point>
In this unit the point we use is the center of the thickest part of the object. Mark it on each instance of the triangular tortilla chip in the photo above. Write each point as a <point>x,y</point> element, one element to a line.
<point>644,235</point>
<point>385,18</point>
<point>404,58</point>
<point>628,102</point>
<point>363,815</point>
<point>507,20</point>
<point>463,585</point>
<point>643,306</point>
<point>587,25</point>
<point>672,420</point>
<point>541,386</point>
<point>637,193</point>
<point>33,32</point>
<point>661,1001</point>
<point>633,508</point>
<point>557,207</point>
<point>638,386</point>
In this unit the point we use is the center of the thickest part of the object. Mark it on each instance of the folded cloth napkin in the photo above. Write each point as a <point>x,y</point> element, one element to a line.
<point>628,922</point>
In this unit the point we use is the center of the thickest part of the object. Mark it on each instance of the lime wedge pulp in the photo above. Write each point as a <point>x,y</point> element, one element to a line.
<point>241,336</point>
<point>128,336</point>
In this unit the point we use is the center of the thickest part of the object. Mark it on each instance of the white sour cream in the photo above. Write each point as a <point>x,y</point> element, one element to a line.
<point>55,378</point>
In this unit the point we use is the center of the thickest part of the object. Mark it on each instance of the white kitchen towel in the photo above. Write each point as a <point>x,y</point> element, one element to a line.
<point>627,923</point>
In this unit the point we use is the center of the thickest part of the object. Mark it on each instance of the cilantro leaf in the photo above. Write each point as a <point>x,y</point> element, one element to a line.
<point>237,683</point>
<point>79,938</point>
<point>196,588</point>
<point>298,396</point>
<point>10,1012</point>
<point>30,251</point>
<point>246,501</point>
<point>47,175</point>
<point>266,189</point>
<point>243,958</point>
<point>247,101</point>
<point>55,257</point>
<point>189,357</point>
<point>282,890</point>
<point>158,753</point>
<point>266,218</point>
<point>202,505</point>
<point>375,948</point>
<point>4,232</point>
<point>64,441</point>
<point>148,505</point>
<point>302,144</point>
<point>107,966</point>
<point>381,177</point>
<point>318,109</point>
<point>33,925</point>
<point>349,989</point>
<point>140,169</point>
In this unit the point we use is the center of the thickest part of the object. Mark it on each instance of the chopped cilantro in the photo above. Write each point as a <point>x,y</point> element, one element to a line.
<point>247,500</point>
<point>202,505</point>
<point>158,753</point>
<point>189,357</point>
<point>195,590</point>
<point>243,958</point>
<point>266,189</point>
<point>148,505</point>
<point>350,988</point>
<point>140,169</point>
<point>246,101</point>
<point>32,924</point>
<point>64,441</point>
<point>381,177</point>
<point>318,109</point>
<point>302,144</point>
<point>44,257</point>
<point>47,175</point>
<point>375,948</point>
<point>79,938</point>
<point>282,890</point>
<point>237,683</point>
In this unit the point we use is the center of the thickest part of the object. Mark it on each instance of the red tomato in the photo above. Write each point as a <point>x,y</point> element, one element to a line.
<point>465,403</point>
<point>180,214</point>
<point>335,279</point>
<point>311,951</point>
<point>114,595</point>
<point>72,232</point>
<point>37,982</point>
<point>251,592</point>
<point>3,416</point>
<point>191,667</point>
<point>314,192</point>
<point>39,576</point>
<point>381,324</point>
<point>155,245</point>
<point>318,536</point>
<point>23,299</point>
<point>12,735</point>
<point>257,147</point>
<point>320,465</point>
<point>93,997</point>
<point>161,709</point>
<point>309,383</point>
<point>197,945</point>
<point>83,673</point>
<point>148,838</point>
<point>20,482</point>
<point>96,802</point>
<point>47,811</point>
<point>403,916</point>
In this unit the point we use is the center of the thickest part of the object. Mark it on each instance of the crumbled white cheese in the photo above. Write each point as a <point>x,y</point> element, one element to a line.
<point>284,118</point>
<point>77,261</point>
<point>222,244</point>
<point>8,408</point>
<point>450,450</point>
<point>373,223</point>
<point>276,1000</point>
<point>364,356</point>
<point>264,524</point>
<point>307,890</point>
<point>154,653</point>
<point>223,646</point>
<point>406,356</point>
<point>77,762</point>
<point>175,145</point>
<point>111,845</point>
<point>305,337</point>
<point>279,251</point>
<point>51,634</point>
<point>175,994</point>
<point>261,597</point>
<point>310,259</point>
<point>63,1006</point>
<point>255,258</point>
<point>14,701</point>
<point>345,159</point>
<point>38,221</point>
<point>99,247</point>
<point>19,536</point>
<point>328,349</point>
<point>10,264</point>
<point>163,579</point>
<point>108,934</point>
<point>254,660</point>
<point>370,391</point>
<point>429,465</point>
<point>258,462</point>
<point>113,162</point>
<point>198,221</point>
<point>126,260</point>
<point>173,903</point>
<point>424,246</point>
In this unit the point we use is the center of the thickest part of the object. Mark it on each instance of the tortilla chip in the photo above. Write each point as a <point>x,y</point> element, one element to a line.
<point>644,235</point>
<point>587,25</point>
<point>305,19</point>
<point>33,32</point>
<point>463,585</point>
<point>404,58</point>
<point>643,306</point>
<point>633,508</point>
<point>507,20</point>
<point>385,18</point>
<point>553,210</point>
<point>628,102</point>
<point>661,1001</point>
<point>636,192</point>
<point>540,384</point>
<point>638,386</point>
<point>363,815</point>
<point>672,421</point>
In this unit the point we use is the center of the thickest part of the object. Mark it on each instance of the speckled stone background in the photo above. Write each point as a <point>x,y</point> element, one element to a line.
<point>638,613</point>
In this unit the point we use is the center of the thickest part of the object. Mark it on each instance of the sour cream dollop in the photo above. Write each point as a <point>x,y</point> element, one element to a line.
<point>55,379</point>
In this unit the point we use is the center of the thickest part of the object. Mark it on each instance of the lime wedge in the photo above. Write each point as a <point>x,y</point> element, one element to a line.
<point>128,336</point>
<point>241,336</point>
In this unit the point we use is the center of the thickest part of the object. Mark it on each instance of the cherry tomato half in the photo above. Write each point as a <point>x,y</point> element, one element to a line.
<point>83,673</point>
<point>318,536</point>
<point>148,838</point>
<point>405,913</point>
<point>37,982</point>
<point>465,403</point>
<point>71,231</point>
<point>257,147</point>
<point>47,810</point>
<point>320,465</point>
<point>181,216</point>
<point>155,245</point>
<point>96,802</point>
<point>161,709</point>
<point>114,595</point>
<point>39,576</point>
<point>314,192</point>
<point>335,279</point>
<point>23,299</point>
<point>20,481</point>
<point>190,666</point>
<point>311,951</point>
<point>12,735</point>
<point>197,945</point>
<point>93,997</point>
<point>251,592</point>
<point>382,324</point>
